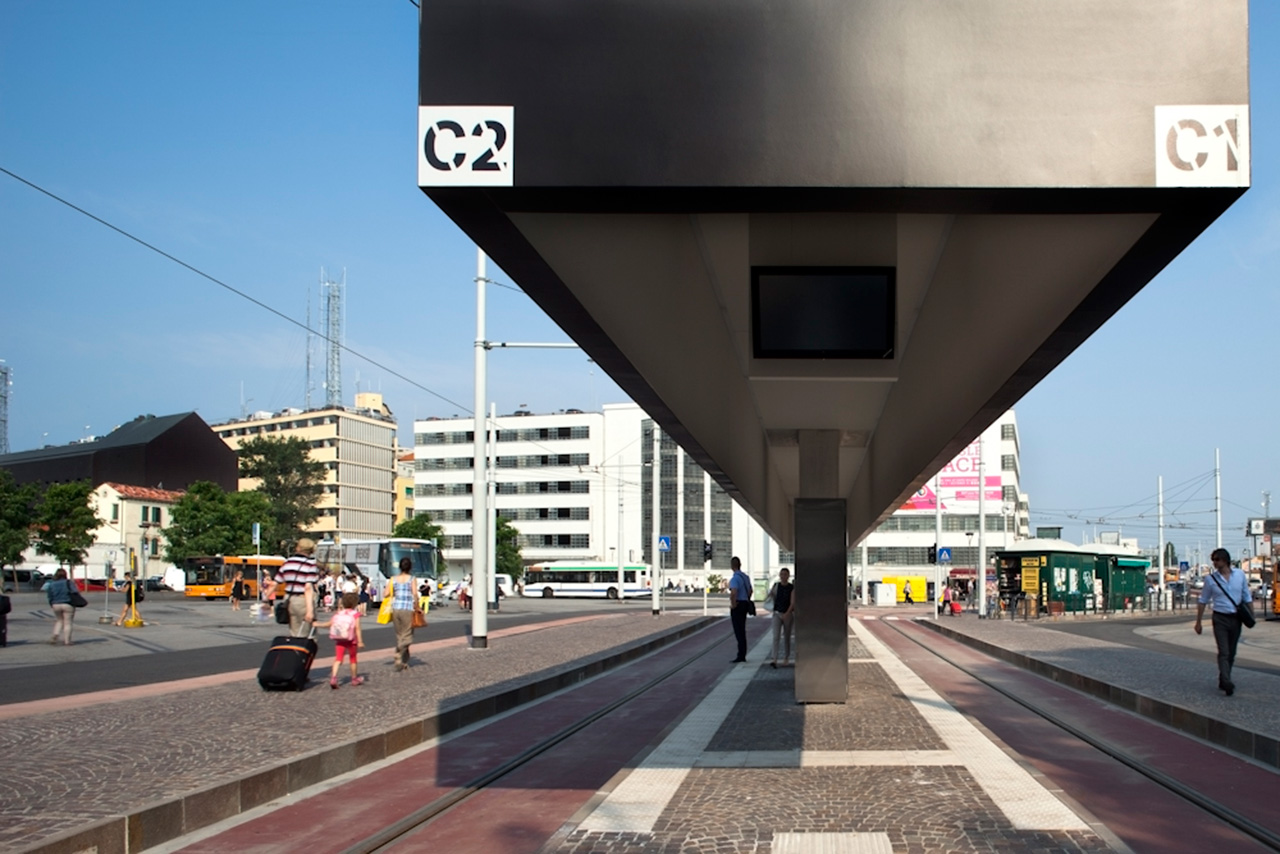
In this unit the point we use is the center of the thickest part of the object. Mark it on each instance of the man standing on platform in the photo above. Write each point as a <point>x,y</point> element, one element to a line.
<point>299,576</point>
<point>1224,588</point>
<point>740,590</point>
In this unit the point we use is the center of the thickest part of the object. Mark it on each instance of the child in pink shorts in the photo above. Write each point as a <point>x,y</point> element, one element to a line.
<point>344,628</point>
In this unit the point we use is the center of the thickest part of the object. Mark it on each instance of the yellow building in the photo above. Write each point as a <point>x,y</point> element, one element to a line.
<point>404,485</point>
<point>358,448</point>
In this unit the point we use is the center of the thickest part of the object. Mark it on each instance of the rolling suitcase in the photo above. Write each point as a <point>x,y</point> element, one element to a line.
<point>288,663</point>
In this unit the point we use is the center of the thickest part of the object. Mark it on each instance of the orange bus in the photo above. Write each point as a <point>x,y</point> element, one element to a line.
<point>211,577</point>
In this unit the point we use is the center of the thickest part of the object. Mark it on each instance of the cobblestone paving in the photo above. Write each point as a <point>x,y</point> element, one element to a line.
<point>70,768</point>
<point>923,810</point>
<point>875,717</point>
<point>857,650</point>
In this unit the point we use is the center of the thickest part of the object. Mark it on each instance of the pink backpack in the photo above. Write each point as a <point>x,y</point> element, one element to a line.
<point>343,626</point>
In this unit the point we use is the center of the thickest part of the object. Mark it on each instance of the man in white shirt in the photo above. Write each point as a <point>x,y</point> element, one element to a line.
<point>1225,588</point>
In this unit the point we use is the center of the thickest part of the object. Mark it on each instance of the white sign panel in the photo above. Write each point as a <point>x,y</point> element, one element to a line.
<point>466,146</point>
<point>1204,145</point>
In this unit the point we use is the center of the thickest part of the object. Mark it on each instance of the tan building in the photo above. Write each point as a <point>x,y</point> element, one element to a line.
<point>357,446</point>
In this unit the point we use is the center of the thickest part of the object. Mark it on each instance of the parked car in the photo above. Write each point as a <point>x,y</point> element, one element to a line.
<point>155,584</point>
<point>27,580</point>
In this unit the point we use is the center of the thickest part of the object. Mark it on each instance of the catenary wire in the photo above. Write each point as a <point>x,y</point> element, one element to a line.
<point>228,287</point>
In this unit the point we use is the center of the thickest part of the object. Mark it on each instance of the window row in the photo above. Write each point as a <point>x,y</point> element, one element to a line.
<point>995,522</point>
<point>539,434</point>
<point>539,460</point>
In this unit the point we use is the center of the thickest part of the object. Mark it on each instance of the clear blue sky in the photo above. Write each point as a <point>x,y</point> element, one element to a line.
<point>258,142</point>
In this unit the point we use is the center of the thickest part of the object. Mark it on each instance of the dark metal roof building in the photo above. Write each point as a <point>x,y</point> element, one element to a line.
<point>168,452</point>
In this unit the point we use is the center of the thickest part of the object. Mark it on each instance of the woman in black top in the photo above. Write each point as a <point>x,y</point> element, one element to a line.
<point>237,590</point>
<point>784,605</point>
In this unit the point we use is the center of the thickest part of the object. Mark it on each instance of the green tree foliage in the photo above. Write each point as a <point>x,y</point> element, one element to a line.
<point>420,527</point>
<point>65,522</point>
<point>17,515</point>
<point>1170,555</point>
<point>290,480</point>
<point>210,521</point>
<point>507,540</point>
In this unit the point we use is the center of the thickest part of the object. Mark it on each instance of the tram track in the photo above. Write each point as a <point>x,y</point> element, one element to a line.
<point>393,834</point>
<point>1233,818</point>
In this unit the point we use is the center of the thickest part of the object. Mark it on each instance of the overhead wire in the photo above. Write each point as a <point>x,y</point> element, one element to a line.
<point>122,232</point>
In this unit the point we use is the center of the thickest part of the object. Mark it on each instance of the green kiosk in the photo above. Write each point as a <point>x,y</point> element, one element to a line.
<point>1054,577</point>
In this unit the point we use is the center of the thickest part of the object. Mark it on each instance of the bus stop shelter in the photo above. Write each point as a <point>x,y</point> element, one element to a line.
<point>825,244</point>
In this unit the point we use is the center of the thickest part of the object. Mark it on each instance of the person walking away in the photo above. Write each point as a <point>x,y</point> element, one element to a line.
<point>344,629</point>
<point>784,604</point>
<point>299,575</point>
<point>404,602</point>
<point>59,592</point>
<point>1224,589</point>
<point>946,599</point>
<point>364,593</point>
<point>740,590</point>
<point>237,590</point>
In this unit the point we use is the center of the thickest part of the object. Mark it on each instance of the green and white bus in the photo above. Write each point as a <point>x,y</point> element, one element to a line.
<point>586,580</point>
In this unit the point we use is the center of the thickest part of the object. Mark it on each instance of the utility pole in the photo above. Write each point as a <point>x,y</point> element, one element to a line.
<point>937,546</point>
<point>982,531</point>
<point>479,487</point>
<point>1160,514</point>
<point>1217,491</point>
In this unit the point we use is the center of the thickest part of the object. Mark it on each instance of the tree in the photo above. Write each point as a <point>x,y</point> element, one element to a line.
<point>420,527</point>
<point>65,522</point>
<point>17,515</point>
<point>209,521</point>
<point>290,480</point>
<point>1170,555</point>
<point>507,540</point>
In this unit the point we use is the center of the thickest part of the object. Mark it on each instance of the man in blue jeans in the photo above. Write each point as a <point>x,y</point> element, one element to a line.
<point>740,590</point>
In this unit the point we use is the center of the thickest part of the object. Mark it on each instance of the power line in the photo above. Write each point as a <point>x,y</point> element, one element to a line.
<point>228,287</point>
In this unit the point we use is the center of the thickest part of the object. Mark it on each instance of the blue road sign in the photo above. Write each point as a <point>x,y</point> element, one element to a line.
<point>944,555</point>
<point>1183,565</point>
<point>664,544</point>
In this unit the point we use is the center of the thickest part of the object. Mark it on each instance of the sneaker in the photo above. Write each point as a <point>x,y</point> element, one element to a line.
<point>357,680</point>
<point>333,683</point>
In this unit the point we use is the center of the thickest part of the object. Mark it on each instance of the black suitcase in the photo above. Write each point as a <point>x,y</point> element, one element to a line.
<point>288,663</point>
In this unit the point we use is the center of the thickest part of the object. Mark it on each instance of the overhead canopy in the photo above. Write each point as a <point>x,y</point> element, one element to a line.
<point>1023,171</point>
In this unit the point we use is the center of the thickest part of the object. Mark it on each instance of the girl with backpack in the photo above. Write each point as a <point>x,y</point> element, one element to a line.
<point>344,629</point>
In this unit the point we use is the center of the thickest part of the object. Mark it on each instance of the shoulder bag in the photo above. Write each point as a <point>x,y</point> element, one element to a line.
<point>73,595</point>
<point>1244,608</point>
<point>384,611</point>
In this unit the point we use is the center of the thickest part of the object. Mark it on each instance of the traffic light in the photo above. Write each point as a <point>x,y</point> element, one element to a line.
<point>933,553</point>
<point>707,551</point>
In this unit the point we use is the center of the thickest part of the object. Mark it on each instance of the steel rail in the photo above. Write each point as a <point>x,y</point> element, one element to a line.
<point>1242,823</point>
<point>393,833</point>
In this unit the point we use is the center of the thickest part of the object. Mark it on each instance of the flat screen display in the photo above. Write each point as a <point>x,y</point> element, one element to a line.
<point>823,312</point>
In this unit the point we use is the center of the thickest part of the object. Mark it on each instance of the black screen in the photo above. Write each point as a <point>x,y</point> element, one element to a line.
<point>822,312</point>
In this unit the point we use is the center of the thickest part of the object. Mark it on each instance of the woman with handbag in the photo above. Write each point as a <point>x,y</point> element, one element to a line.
<point>59,591</point>
<point>404,611</point>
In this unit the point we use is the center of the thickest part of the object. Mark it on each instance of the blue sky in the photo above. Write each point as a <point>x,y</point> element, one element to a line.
<point>259,142</point>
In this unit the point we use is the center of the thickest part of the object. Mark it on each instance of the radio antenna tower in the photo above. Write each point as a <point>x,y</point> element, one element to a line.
<point>331,321</point>
<point>5,382</point>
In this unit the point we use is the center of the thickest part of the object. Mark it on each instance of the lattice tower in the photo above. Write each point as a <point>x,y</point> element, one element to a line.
<point>331,322</point>
<point>5,382</point>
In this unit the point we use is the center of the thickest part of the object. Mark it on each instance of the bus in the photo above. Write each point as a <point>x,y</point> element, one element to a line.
<point>379,560</point>
<point>575,578</point>
<point>211,576</point>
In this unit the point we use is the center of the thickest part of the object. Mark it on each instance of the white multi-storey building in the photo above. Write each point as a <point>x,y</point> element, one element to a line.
<point>580,486</point>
